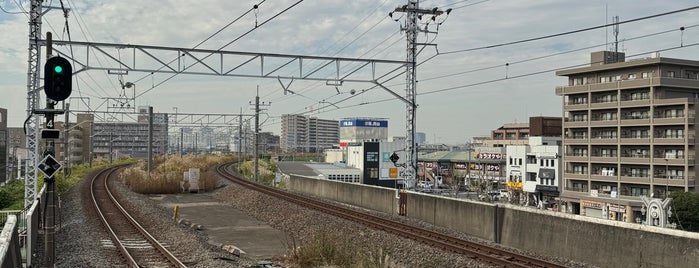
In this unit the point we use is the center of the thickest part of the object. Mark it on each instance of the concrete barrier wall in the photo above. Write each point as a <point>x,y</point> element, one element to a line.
<point>366,196</point>
<point>598,242</point>
<point>474,218</point>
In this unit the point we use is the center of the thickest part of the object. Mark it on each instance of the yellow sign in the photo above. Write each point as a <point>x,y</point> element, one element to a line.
<point>514,185</point>
<point>393,172</point>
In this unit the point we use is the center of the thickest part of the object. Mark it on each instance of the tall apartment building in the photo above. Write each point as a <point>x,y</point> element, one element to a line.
<point>308,134</point>
<point>629,131</point>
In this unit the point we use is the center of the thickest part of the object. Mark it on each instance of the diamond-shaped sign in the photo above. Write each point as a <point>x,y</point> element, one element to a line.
<point>49,166</point>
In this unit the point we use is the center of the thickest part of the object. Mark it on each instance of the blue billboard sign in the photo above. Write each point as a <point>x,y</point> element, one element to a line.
<point>363,123</point>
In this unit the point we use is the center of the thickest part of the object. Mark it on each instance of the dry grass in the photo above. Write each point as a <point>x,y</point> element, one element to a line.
<point>165,178</point>
<point>327,249</point>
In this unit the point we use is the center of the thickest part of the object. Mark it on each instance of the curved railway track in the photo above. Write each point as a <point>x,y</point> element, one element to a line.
<point>136,245</point>
<point>481,252</point>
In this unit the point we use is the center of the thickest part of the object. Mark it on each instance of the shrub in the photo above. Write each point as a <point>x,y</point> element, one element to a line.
<point>167,175</point>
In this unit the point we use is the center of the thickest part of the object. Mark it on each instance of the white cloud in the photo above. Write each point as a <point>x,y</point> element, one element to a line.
<point>323,28</point>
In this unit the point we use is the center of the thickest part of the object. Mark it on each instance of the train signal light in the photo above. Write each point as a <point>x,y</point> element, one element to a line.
<point>58,77</point>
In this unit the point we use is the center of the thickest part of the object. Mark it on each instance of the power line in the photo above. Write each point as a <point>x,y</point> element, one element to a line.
<point>12,12</point>
<point>504,79</point>
<point>317,84</point>
<point>200,43</point>
<point>554,54</point>
<point>569,32</point>
<point>224,46</point>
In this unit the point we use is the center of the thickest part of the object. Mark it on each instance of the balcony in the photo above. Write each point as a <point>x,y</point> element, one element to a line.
<point>572,106</point>
<point>634,121</point>
<point>567,90</point>
<point>634,103</point>
<point>603,178</point>
<point>671,120</point>
<point>634,83</point>
<point>604,105</point>
<point>677,181</point>
<point>644,140</point>
<point>576,157</point>
<point>672,140</point>
<point>635,160</point>
<point>603,140</point>
<point>660,159</point>
<point>574,123</point>
<point>575,141</point>
<point>575,175</point>
<point>679,82</point>
<point>634,178</point>
<point>604,123</point>
<point>609,158</point>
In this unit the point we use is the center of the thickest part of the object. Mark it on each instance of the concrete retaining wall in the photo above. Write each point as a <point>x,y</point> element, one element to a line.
<point>474,218</point>
<point>366,196</point>
<point>598,242</point>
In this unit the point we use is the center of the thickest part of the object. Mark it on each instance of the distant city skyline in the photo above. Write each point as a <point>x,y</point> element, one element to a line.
<point>463,92</point>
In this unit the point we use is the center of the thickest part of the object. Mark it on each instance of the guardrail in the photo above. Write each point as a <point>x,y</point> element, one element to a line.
<point>10,255</point>
<point>26,225</point>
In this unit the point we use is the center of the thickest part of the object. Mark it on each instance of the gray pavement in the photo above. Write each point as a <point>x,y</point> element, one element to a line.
<point>225,225</point>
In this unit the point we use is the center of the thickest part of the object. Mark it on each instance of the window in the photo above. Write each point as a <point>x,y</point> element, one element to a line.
<point>671,74</point>
<point>632,76</point>
<point>617,78</point>
<point>603,79</point>
<point>520,161</point>
<point>644,75</point>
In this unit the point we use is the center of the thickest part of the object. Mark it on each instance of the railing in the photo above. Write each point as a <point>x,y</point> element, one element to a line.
<point>10,248</point>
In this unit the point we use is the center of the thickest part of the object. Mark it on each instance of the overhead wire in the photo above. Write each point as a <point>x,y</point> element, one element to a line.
<point>569,32</point>
<point>507,78</point>
<point>12,12</point>
<point>363,20</point>
<point>554,54</point>
<point>224,46</point>
<point>211,36</point>
<point>535,58</point>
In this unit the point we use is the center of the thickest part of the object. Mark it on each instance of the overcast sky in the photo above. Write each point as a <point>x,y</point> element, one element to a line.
<point>456,97</point>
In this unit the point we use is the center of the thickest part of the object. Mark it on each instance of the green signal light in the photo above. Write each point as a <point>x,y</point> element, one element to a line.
<point>58,69</point>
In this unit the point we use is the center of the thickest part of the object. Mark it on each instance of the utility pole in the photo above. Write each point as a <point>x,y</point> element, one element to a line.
<point>150,139</point>
<point>240,134</point>
<point>414,16</point>
<point>257,132</point>
<point>66,159</point>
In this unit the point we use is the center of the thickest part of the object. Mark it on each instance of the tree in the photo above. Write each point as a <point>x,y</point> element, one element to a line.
<point>685,210</point>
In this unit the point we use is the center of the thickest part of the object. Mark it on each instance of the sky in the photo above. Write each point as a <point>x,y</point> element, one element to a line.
<point>464,90</point>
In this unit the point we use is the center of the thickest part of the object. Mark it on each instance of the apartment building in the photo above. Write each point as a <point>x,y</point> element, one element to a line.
<point>308,134</point>
<point>629,131</point>
<point>518,133</point>
<point>111,140</point>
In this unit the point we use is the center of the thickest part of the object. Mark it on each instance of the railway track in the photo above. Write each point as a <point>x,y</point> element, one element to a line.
<point>484,253</point>
<point>138,247</point>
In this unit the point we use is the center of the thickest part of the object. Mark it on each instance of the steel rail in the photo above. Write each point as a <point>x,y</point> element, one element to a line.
<point>484,253</point>
<point>131,261</point>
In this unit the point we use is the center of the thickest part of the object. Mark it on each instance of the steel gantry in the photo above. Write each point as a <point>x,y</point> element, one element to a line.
<point>124,58</point>
<point>32,123</point>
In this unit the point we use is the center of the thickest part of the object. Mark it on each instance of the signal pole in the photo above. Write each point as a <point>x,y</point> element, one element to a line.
<point>257,132</point>
<point>411,28</point>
